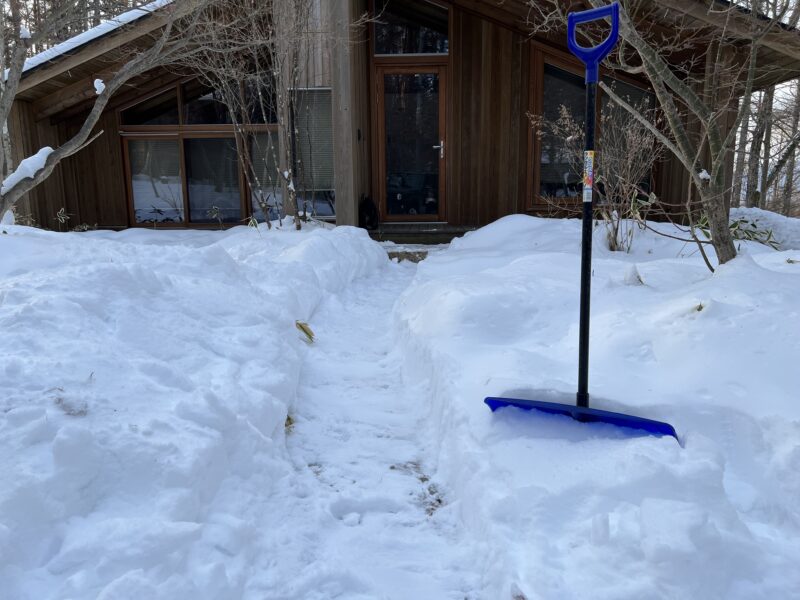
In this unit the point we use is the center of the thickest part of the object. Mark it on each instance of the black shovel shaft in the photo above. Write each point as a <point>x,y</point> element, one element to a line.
<point>586,249</point>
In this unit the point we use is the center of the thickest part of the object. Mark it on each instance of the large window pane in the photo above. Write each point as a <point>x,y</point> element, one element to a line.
<point>203,105</point>
<point>156,181</point>
<point>212,180</point>
<point>615,115</point>
<point>159,110</point>
<point>558,175</point>
<point>633,95</point>
<point>410,27</point>
<point>260,103</point>
<point>265,194</point>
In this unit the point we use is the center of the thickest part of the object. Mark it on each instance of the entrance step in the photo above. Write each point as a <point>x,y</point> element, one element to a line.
<point>418,233</point>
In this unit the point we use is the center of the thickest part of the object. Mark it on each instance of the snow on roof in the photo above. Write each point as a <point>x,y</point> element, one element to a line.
<point>92,34</point>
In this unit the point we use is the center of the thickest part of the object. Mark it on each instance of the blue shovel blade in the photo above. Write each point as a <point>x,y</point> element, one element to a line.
<point>586,415</point>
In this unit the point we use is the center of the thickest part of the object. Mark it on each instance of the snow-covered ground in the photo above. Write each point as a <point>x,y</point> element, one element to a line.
<point>566,510</point>
<point>146,377</point>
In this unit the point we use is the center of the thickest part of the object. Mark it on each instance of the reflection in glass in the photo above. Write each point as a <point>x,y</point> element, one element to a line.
<point>265,192</point>
<point>212,180</point>
<point>203,105</point>
<point>410,27</point>
<point>260,103</point>
<point>411,104</point>
<point>558,176</point>
<point>612,113</point>
<point>156,181</point>
<point>159,110</point>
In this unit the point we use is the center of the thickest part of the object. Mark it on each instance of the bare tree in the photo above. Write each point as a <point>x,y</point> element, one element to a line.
<point>170,43</point>
<point>627,153</point>
<point>261,57</point>
<point>698,90</point>
<point>794,123</point>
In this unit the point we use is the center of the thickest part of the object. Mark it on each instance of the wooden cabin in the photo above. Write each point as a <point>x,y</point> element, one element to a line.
<point>423,115</point>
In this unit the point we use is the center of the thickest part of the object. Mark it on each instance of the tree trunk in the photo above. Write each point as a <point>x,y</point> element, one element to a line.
<point>767,112</point>
<point>738,171</point>
<point>788,188</point>
<point>754,160</point>
<point>712,198</point>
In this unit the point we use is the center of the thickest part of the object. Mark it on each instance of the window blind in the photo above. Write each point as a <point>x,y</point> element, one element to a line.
<point>313,124</point>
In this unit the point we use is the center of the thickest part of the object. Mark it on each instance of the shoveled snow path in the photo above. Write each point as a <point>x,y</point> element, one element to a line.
<point>359,517</point>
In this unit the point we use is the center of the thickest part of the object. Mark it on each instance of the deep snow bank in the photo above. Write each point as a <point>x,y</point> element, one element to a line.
<point>145,379</point>
<point>564,510</point>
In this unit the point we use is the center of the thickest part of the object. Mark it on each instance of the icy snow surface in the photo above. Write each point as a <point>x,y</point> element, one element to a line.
<point>146,377</point>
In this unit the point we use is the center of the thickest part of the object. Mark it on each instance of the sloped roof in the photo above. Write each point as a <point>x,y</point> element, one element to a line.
<point>105,28</point>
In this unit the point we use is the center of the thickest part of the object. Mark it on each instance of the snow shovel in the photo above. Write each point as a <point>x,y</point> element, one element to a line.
<point>591,57</point>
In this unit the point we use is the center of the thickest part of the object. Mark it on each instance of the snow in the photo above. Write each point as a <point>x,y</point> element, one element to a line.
<point>146,378</point>
<point>27,168</point>
<point>7,218</point>
<point>704,175</point>
<point>92,34</point>
<point>568,510</point>
<point>24,33</point>
<point>99,86</point>
<point>785,229</point>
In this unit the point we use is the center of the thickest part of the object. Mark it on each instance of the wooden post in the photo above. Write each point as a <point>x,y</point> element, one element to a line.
<point>346,138</point>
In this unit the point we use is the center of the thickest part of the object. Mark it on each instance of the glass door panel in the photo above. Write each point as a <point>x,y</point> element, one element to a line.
<point>413,144</point>
<point>212,180</point>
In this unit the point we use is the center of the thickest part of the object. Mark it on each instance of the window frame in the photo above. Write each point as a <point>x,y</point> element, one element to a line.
<point>425,63</point>
<point>542,54</point>
<point>295,153</point>
<point>180,132</point>
<point>419,58</point>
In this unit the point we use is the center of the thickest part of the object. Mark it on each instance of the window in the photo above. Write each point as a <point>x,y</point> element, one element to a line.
<point>313,126</point>
<point>260,103</point>
<point>156,181</point>
<point>159,110</point>
<point>558,178</point>
<point>613,113</point>
<point>559,173</point>
<point>266,197</point>
<point>410,27</point>
<point>183,155</point>
<point>212,180</point>
<point>203,105</point>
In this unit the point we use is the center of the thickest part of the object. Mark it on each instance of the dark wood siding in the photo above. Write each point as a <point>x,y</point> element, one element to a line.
<point>488,128</point>
<point>94,178</point>
<point>28,135</point>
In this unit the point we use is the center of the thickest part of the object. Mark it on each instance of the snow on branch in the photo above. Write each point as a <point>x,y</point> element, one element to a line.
<point>27,169</point>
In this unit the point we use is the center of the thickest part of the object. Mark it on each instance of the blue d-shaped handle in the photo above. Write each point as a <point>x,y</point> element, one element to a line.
<point>592,57</point>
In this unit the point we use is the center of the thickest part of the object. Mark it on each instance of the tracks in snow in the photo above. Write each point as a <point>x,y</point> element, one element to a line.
<point>360,518</point>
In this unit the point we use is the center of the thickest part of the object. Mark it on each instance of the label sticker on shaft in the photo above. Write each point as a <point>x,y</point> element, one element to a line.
<point>588,175</point>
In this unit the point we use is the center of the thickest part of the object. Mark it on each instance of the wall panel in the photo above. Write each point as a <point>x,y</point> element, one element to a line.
<point>488,129</point>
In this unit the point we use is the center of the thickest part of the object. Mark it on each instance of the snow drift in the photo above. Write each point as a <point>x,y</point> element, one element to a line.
<point>145,379</point>
<point>565,510</point>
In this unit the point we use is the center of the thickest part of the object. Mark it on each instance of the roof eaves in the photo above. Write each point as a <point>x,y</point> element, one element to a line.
<point>52,55</point>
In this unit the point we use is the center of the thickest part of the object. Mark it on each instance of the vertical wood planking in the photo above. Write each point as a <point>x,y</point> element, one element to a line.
<point>488,133</point>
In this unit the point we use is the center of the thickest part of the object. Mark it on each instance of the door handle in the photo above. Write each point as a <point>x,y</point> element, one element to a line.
<point>440,148</point>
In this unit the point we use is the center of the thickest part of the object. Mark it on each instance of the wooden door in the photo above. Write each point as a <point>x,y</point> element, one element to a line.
<point>412,142</point>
